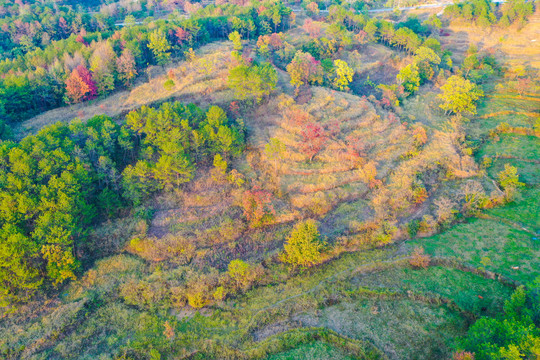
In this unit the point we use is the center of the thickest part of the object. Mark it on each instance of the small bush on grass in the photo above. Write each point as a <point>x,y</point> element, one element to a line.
<point>169,85</point>
<point>243,274</point>
<point>419,259</point>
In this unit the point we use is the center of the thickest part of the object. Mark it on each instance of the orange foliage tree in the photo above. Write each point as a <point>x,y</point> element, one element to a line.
<point>257,205</point>
<point>80,86</point>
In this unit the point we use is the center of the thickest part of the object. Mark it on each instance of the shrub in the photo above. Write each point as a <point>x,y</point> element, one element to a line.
<point>220,293</point>
<point>169,84</point>
<point>413,228</point>
<point>169,331</point>
<point>463,355</point>
<point>178,296</point>
<point>242,273</point>
<point>509,180</point>
<point>419,259</point>
<point>238,270</point>
<point>174,248</point>
<point>427,225</point>
<point>145,294</point>
<point>197,299</point>
<point>258,207</point>
<point>220,168</point>
<point>445,210</point>
<point>199,290</point>
<point>384,234</point>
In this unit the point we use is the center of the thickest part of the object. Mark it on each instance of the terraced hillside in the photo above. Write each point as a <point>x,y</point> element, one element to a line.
<point>282,217</point>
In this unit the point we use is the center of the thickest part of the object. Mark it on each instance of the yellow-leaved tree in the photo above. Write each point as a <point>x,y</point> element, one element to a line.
<point>304,246</point>
<point>459,95</point>
<point>344,74</point>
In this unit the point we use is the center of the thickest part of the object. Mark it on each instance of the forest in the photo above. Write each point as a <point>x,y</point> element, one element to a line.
<point>269,180</point>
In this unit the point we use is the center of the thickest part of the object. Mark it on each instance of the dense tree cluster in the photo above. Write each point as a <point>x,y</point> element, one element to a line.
<point>513,335</point>
<point>54,184</point>
<point>172,140</point>
<point>30,25</point>
<point>251,79</point>
<point>49,76</point>
<point>486,13</point>
<point>346,25</point>
<point>425,64</point>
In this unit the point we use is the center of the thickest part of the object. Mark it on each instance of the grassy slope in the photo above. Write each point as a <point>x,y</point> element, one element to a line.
<point>504,240</point>
<point>371,296</point>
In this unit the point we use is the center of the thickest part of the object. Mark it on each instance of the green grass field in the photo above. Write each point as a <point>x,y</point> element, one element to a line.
<point>470,292</point>
<point>402,329</point>
<point>317,350</point>
<point>488,244</point>
<point>525,211</point>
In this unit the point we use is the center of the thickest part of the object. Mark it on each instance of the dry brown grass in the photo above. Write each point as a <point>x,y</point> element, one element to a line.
<point>319,184</point>
<point>369,155</point>
<point>199,201</point>
<point>176,248</point>
<point>512,45</point>
<point>508,112</point>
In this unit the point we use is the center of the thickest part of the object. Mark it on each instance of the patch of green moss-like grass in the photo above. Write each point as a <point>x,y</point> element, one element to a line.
<point>470,292</point>
<point>524,211</point>
<point>519,146</point>
<point>316,350</point>
<point>489,244</point>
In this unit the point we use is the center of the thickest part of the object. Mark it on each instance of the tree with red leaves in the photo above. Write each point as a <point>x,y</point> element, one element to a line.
<point>80,39</point>
<point>523,85</point>
<point>362,37</point>
<point>234,108</point>
<point>182,36</point>
<point>76,88</point>
<point>313,28</point>
<point>80,86</point>
<point>257,205</point>
<point>88,79</point>
<point>276,41</point>
<point>313,139</point>
<point>126,67</point>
